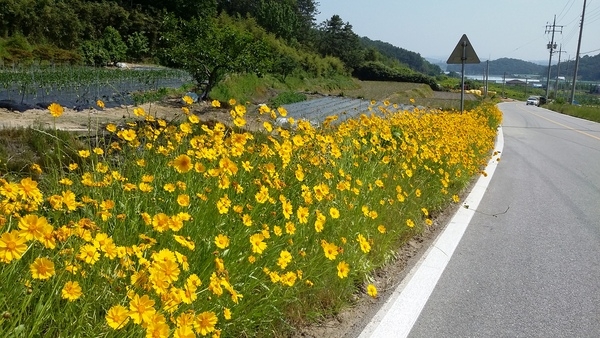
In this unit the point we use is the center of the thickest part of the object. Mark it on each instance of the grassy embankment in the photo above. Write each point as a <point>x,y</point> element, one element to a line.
<point>173,229</point>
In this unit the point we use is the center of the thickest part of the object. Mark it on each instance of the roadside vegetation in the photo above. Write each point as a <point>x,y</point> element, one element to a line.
<point>183,229</point>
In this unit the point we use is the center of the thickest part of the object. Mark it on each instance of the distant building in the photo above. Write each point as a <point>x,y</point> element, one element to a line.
<point>515,82</point>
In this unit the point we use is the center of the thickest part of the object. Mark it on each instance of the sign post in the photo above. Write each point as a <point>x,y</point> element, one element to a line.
<point>462,54</point>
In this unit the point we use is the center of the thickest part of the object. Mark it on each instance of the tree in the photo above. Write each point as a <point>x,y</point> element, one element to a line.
<point>113,44</point>
<point>337,39</point>
<point>137,44</point>
<point>209,49</point>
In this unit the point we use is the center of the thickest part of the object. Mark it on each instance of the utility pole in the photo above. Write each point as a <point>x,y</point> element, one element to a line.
<point>577,56</point>
<point>487,76</point>
<point>560,51</point>
<point>551,46</point>
<point>503,85</point>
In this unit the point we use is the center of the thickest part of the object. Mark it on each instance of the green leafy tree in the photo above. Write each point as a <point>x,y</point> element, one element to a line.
<point>113,44</point>
<point>137,45</point>
<point>209,49</point>
<point>337,39</point>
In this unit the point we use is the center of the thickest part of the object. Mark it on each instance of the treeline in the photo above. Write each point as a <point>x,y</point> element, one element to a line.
<point>589,68</point>
<point>208,38</point>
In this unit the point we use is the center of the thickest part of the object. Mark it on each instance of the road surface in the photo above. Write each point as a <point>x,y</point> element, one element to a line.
<point>528,264</point>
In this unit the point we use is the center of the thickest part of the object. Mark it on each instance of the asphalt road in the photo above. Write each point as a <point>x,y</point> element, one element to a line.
<point>528,264</point>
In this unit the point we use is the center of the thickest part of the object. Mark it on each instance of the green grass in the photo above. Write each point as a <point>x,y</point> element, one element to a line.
<point>591,113</point>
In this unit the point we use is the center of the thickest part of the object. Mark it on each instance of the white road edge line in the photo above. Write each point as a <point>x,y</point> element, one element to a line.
<point>400,312</point>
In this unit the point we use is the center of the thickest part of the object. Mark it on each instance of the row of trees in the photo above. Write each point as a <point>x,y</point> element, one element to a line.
<point>208,38</point>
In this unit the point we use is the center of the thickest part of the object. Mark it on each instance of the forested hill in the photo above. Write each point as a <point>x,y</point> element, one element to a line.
<point>501,66</point>
<point>589,68</point>
<point>208,38</point>
<point>414,60</point>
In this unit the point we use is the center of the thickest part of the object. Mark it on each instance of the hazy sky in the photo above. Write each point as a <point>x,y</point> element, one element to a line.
<point>496,28</point>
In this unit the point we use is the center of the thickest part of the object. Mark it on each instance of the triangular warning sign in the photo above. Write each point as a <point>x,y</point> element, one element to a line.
<point>463,52</point>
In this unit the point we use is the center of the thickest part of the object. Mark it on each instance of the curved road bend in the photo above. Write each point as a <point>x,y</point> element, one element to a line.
<point>533,271</point>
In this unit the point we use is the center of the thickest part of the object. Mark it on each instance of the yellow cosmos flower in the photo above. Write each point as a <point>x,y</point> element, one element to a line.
<point>139,111</point>
<point>84,153</point>
<point>343,269</point>
<point>410,223</point>
<point>227,313</point>
<point>117,317</point>
<point>258,246</point>
<point>100,104</point>
<point>372,290</point>
<point>141,309</point>
<point>221,241</point>
<point>205,322</point>
<point>381,228</point>
<point>42,268</point>
<point>128,135</point>
<point>232,102</point>
<point>216,103</point>
<point>34,227</point>
<point>12,246</point>
<point>183,163</point>
<point>71,291</point>
<point>56,109</point>
<point>188,100</point>
<point>334,212</point>
<point>183,200</point>
<point>285,257</point>
<point>330,249</point>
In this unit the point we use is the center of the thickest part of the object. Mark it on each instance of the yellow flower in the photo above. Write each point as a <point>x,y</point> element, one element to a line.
<point>183,163</point>
<point>381,228</point>
<point>89,254</point>
<point>285,257</point>
<point>139,111</point>
<point>227,313</point>
<point>183,200</point>
<point>141,309</point>
<point>34,227</point>
<point>84,153</point>
<point>117,317</point>
<point>258,246</point>
<point>334,212</point>
<point>42,268</point>
<point>56,109</point>
<point>100,104</point>
<point>205,322</point>
<point>188,100</point>
<point>222,241</point>
<point>343,269</point>
<point>372,290</point>
<point>331,250</point>
<point>128,134</point>
<point>232,102</point>
<point>71,291</point>
<point>12,246</point>
<point>410,223</point>
<point>216,103</point>
<point>185,242</point>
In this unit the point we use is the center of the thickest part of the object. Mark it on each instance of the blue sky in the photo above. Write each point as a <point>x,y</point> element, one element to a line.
<point>496,28</point>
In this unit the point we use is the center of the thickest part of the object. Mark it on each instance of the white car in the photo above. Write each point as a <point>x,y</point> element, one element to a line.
<point>533,100</point>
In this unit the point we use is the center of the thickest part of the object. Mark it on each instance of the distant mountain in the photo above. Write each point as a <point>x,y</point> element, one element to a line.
<point>501,66</point>
<point>589,68</point>
<point>413,60</point>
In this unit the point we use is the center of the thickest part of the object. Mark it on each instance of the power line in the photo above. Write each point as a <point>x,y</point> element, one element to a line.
<point>563,10</point>
<point>592,51</point>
